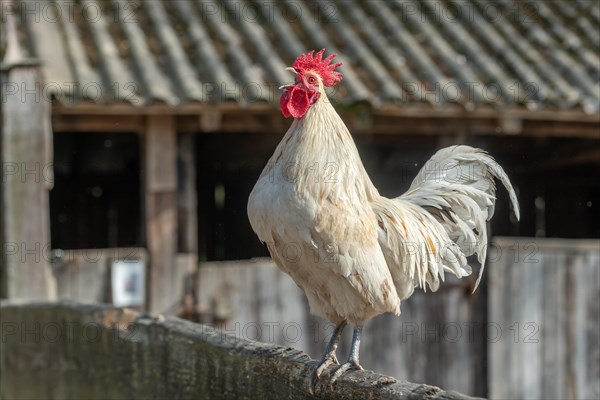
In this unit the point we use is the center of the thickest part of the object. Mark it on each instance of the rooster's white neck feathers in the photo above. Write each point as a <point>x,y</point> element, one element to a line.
<point>320,150</point>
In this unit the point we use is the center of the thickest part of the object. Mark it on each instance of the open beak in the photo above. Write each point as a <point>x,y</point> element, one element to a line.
<point>293,71</point>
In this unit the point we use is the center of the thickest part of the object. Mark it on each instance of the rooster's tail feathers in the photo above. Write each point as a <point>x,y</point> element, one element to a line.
<point>456,186</point>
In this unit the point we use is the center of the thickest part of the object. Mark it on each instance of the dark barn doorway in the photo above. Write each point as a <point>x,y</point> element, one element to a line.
<point>228,167</point>
<point>95,202</point>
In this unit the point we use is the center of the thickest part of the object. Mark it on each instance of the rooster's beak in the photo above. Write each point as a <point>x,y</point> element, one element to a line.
<point>293,71</point>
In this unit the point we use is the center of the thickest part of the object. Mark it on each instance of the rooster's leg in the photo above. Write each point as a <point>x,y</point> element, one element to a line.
<point>329,357</point>
<point>352,363</point>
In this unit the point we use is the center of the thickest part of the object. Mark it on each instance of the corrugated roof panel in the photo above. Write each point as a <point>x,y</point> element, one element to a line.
<point>285,38</point>
<point>155,84</point>
<point>119,83</point>
<point>540,55</point>
<point>253,86</point>
<point>387,87</point>
<point>471,89</point>
<point>427,70</point>
<point>488,69</point>
<point>563,62</point>
<point>562,93</point>
<point>178,63</point>
<point>502,50</point>
<point>219,85</point>
<point>256,35</point>
<point>13,44</point>
<point>357,90</point>
<point>567,38</point>
<point>390,56</point>
<point>48,45</point>
<point>84,74</point>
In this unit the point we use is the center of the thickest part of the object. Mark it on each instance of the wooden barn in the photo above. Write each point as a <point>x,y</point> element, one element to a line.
<point>136,130</point>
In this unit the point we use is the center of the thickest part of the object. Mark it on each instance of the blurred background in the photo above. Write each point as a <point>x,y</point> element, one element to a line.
<point>134,131</point>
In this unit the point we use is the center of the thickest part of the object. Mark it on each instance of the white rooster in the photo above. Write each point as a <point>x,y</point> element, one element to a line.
<point>355,253</point>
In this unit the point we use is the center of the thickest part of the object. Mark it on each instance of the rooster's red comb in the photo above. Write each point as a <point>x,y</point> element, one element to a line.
<point>316,63</point>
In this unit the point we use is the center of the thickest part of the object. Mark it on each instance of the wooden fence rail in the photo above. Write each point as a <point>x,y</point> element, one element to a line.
<point>75,351</point>
<point>529,332</point>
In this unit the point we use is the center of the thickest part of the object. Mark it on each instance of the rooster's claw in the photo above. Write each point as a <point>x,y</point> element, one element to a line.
<point>351,365</point>
<point>325,362</point>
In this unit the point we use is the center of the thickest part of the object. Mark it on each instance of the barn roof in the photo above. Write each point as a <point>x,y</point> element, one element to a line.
<point>437,53</point>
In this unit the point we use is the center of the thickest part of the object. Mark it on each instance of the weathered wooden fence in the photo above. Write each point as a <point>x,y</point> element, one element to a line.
<point>68,351</point>
<point>84,275</point>
<point>530,331</point>
<point>544,315</point>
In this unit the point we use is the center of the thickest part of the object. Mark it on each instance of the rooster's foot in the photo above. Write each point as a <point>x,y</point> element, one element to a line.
<point>329,357</point>
<point>326,362</point>
<point>351,365</point>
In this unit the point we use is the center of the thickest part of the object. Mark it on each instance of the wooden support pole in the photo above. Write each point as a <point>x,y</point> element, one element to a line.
<point>160,198</point>
<point>27,176</point>
<point>187,203</point>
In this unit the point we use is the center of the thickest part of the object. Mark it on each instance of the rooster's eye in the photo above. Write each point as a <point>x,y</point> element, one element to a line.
<point>312,80</point>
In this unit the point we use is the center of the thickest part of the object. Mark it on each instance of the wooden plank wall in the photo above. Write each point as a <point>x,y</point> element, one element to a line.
<point>84,275</point>
<point>544,294</point>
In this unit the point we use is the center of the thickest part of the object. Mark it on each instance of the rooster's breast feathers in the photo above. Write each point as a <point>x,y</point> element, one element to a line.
<point>318,223</point>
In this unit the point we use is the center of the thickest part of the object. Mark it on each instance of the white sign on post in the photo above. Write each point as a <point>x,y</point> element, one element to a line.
<point>128,280</point>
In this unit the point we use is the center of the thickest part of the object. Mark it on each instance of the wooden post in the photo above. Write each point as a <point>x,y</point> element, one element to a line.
<point>27,175</point>
<point>187,218</point>
<point>160,194</point>
<point>187,202</point>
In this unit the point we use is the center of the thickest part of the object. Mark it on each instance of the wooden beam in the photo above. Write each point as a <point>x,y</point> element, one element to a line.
<point>230,118</point>
<point>27,177</point>
<point>390,110</point>
<point>160,194</point>
<point>98,123</point>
